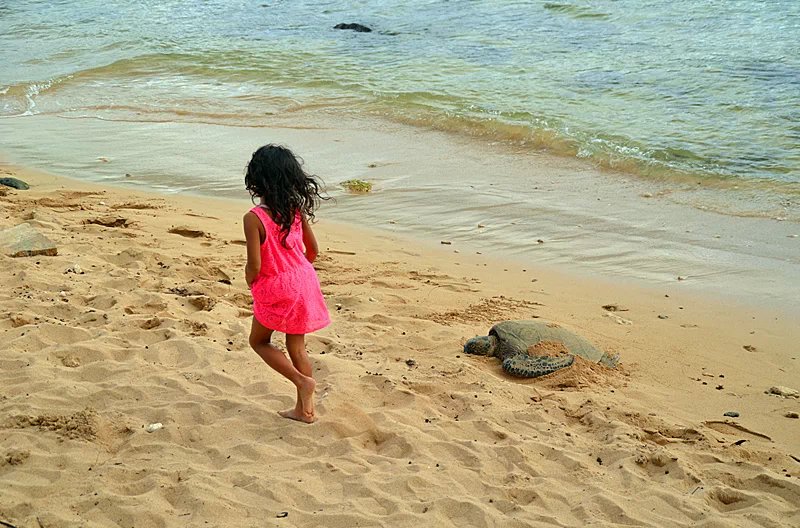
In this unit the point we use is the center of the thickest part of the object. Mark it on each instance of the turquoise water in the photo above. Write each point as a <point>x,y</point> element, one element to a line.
<point>659,89</point>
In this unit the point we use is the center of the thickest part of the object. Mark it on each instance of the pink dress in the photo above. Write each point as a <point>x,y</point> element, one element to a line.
<point>286,293</point>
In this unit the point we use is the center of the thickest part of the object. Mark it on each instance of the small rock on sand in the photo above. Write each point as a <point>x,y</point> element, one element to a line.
<point>187,232</point>
<point>619,320</point>
<point>149,324</point>
<point>749,348</point>
<point>732,414</point>
<point>75,268</point>
<point>792,414</point>
<point>71,362</point>
<point>784,392</point>
<point>24,241</point>
<point>108,221</point>
<point>14,183</point>
<point>153,427</point>
<point>202,302</point>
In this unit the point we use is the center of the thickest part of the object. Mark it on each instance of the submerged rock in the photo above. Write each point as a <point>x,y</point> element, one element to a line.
<point>355,27</point>
<point>15,183</point>
<point>24,241</point>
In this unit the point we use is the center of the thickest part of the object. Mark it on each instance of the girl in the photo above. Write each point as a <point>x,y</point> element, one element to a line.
<point>280,250</point>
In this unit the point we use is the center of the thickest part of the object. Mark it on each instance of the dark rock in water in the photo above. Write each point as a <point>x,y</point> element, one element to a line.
<point>24,241</point>
<point>15,183</point>
<point>355,27</point>
<point>732,414</point>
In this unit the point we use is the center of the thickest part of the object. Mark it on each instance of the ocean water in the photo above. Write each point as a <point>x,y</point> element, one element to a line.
<point>685,88</point>
<point>636,138</point>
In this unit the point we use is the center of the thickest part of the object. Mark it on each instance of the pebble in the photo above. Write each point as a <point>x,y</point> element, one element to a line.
<point>153,427</point>
<point>661,316</point>
<point>446,242</point>
<point>372,299</point>
<point>791,236</point>
<point>338,306</point>
<point>481,226</point>
<point>682,277</point>
<point>647,195</point>
<point>785,392</point>
<point>75,268</point>
<point>791,414</point>
<point>732,414</point>
<point>14,183</point>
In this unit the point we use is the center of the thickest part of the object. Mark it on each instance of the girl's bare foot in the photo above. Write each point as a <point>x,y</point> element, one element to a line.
<point>304,409</point>
<point>293,414</point>
<point>306,393</point>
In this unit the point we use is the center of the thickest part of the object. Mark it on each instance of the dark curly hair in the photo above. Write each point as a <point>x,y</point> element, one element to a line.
<point>276,176</point>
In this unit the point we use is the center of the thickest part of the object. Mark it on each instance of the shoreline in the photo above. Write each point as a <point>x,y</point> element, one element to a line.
<point>411,431</point>
<point>589,221</point>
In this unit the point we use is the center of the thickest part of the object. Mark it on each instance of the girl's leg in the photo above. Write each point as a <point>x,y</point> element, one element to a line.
<point>296,345</point>
<point>260,342</point>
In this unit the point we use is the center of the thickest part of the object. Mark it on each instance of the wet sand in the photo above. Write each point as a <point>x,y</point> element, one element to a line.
<point>435,186</point>
<point>151,327</point>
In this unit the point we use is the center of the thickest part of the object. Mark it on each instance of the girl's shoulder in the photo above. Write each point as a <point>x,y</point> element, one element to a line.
<point>261,212</point>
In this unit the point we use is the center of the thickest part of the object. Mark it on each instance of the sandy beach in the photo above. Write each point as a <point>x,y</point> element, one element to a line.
<point>143,315</point>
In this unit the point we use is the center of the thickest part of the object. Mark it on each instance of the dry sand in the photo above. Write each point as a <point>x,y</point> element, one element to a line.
<point>153,328</point>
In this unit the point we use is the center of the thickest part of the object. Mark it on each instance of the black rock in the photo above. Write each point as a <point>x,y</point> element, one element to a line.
<point>15,183</point>
<point>355,27</point>
<point>732,414</point>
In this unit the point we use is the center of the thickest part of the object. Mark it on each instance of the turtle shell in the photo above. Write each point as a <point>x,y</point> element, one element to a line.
<point>518,336</point>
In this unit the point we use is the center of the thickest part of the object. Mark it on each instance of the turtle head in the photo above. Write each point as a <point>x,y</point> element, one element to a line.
<point>481,345</point>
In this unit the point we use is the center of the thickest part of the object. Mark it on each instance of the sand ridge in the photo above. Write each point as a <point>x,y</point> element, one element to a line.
<point>151,326</point>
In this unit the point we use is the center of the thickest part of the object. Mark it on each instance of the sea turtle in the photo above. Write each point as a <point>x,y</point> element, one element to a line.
<point>511,341</point>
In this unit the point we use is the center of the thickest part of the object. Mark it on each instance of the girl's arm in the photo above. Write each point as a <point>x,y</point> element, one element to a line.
<point>252,235</point>
<point>309,241</point>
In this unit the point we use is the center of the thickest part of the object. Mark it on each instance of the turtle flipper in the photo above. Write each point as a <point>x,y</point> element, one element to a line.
<point>525,366</point>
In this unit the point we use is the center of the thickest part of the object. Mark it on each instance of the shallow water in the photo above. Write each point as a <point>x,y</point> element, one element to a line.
<point>635,138</point>
<point>533,208</point>
<point>660,89</point>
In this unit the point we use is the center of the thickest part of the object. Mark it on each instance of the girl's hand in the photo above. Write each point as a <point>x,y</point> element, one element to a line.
<point>309,241</point>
